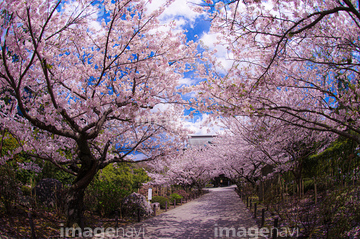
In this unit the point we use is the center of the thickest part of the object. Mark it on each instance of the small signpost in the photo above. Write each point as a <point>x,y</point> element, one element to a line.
<point>149,194</point>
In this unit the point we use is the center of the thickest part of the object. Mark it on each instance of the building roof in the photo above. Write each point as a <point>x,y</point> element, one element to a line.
<point>200,140</point>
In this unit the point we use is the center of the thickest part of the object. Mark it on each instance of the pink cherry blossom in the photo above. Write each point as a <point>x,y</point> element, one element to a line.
<point>77,82</point>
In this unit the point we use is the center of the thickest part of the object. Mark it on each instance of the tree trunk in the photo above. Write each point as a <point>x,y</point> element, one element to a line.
<point>75,208</point>
<point>299,188</point>
<point>294,186</point>
<point>302,187</point>
<point>280,189</point>
<point>75,195</point>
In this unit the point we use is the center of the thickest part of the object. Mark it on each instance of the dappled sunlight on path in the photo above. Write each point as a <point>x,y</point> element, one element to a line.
<point>205,217</point>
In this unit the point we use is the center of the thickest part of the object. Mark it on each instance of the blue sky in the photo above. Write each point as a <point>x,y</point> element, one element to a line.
<point>197,28</point>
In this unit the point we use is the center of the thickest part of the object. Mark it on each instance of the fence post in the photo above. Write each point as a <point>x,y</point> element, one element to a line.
<point>255,208</point>
<point>138,214</point>
<point>165,206</point>
<point>262,217</point>
<point>121,211</point>
<point>154,210</point>
<point>33,235</point>
<point>315,191</point>
<point>82,221</point>
<point>275,230</point>
<point>116,221</point>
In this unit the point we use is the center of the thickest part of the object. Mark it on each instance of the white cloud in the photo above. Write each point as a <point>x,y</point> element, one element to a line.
<point>210,40</point>
<point>187,81</point>
<point>181,13</point>
<point>162,108</point>
<point>179,8</point>
<point>203,124</point>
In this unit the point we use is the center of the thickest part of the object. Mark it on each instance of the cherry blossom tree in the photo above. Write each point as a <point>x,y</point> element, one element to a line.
<point>78,83</point>
<point>290,58</point>
<point>240,153</point>
<point>250,144</point>
<point>190,168</point>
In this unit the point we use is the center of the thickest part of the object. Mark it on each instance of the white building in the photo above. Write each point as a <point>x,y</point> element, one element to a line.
<point>200,140</point>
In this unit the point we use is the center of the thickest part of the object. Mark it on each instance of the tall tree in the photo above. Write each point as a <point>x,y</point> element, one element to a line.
<point>191,167</point>
<point>79,81</point>
<point>295,58</point>
<point>250,144</point>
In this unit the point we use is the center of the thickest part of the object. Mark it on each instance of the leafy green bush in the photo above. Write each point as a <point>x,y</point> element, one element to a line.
<point>176,197</point>
<point>49,170</point>
<point>111,184</point>
<point>104,196</point>
<point>182,193</point>
<point>308,185</point>
<point>26,190</point>
<point>161,200</point>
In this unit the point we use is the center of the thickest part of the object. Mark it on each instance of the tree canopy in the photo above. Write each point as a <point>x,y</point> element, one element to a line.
<point>77,86</point>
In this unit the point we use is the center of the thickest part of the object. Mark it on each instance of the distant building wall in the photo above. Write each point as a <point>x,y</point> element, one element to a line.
<point>200,140</point>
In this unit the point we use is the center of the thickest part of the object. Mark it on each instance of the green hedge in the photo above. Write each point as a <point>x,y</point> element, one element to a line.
<point>161,200</point>
<point>175,196</point>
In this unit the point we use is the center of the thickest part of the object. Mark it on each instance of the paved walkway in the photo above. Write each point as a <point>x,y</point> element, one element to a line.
<point>217,214</point>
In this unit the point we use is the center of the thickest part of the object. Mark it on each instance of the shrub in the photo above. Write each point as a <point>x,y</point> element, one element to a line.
<point>26,190</point>
<point>175,196</point>
<point>133,203</point>
<point>111,185</point>
<point>161,200</point>
<point>182,193</point>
